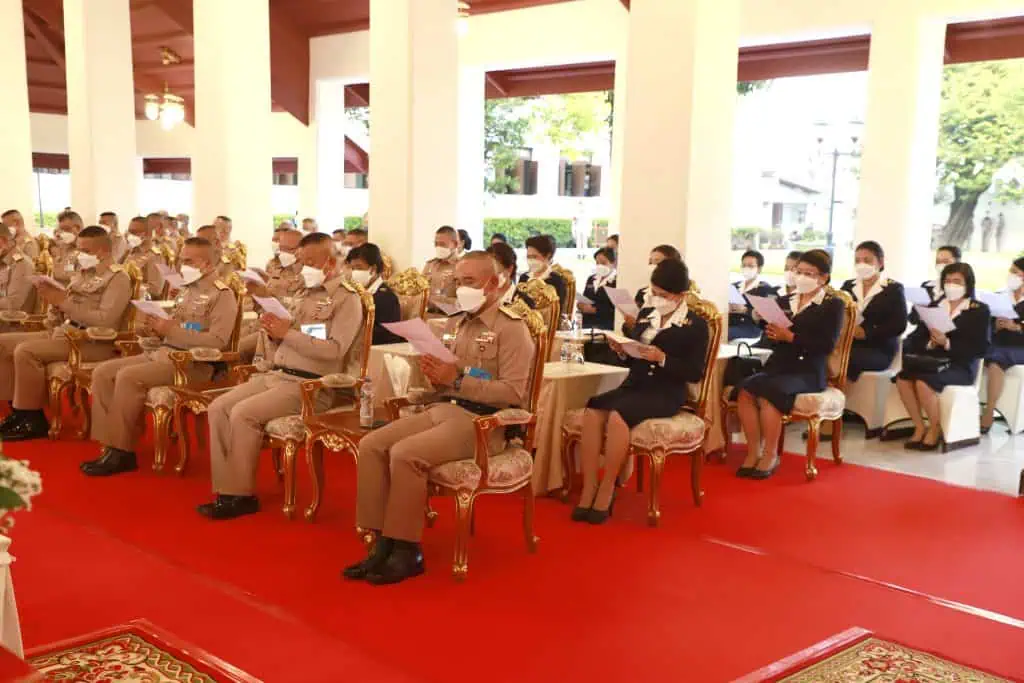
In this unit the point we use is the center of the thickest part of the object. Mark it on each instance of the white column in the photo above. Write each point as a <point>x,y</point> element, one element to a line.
<point>16,182</point>
<point>309,195</point>
<point>471,155</point>
<point>232,166</point>
<point>413,179</point>
<point>618,145</point>
<point>900,141</point>
<point>676,185</point>
<point>101,107</point>
<point>330,155</point>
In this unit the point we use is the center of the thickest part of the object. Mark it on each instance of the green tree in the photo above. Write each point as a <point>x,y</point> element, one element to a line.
<point>505,128</point>
<point>980,130</point>
<point>566,120</point>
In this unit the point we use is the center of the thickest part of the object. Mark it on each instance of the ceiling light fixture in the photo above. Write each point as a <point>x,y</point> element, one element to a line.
<point>166,107</point>
<point>462,23</point>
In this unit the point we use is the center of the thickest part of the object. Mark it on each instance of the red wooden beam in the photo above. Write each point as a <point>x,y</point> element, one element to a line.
<point>58,162</point>
<point>178,11</point>
<point>49,39</point>
<point>835,55</point>
<point>979,41</point>
<point>289,64</point>
<point>357,95</point>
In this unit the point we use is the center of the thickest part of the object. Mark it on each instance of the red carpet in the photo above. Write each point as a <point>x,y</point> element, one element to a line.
<point>621,602</point>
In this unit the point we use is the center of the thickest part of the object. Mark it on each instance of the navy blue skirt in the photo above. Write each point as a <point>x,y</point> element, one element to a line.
<point>635,405</point>
<point>778,389</point>
<point>1005,356</point>
<point>866,358</point>
<point>954,376</point>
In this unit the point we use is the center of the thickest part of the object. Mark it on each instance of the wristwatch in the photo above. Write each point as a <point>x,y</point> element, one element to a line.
<point>457,384</point>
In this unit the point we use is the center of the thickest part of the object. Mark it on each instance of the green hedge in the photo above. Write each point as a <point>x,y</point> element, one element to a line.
<point>516,230</point>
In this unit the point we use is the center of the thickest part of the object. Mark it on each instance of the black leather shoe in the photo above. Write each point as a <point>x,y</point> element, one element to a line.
<point>113,461</point>
<point>229,507</point>
<point>29,425</point>
<point>579,514</point>
<point>744,472</point>
<point>373,562</point>
<point>404,562</point>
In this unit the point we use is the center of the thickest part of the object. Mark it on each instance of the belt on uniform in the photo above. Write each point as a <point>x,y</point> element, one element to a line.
<point>471,406</point>
<point>297,373</point>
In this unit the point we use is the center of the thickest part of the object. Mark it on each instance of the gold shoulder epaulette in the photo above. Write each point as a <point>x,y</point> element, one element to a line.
<point>974,304</point>
<point>18,257</point>
<point>348,285</point>
<point>155,249</point>
<point>116,268</point>
<point>221,285</point>
<point>510,313</point>
<point>225,259</point>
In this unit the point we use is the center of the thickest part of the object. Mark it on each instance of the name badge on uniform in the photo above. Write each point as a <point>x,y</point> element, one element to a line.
<point>69,267</point>
<point>315,330</point>
<point>193,327</point>
<point>479,373</point>
<point>485,339</point>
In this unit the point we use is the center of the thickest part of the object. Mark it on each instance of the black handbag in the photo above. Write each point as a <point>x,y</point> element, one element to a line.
<point>738,368</point>
<point>924,364</point>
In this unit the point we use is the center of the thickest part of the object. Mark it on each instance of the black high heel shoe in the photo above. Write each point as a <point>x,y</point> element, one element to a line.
<point>761,475</point>
<point>580,514</point>
<point>595,516</point>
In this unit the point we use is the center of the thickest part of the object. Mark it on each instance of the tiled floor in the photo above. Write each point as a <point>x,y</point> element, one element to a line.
<point>993,465</point>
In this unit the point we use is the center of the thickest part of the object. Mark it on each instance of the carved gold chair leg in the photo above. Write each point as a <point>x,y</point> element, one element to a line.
<point>528,505</point>
<point>464,512</point>
<point>184,438</point>
<point>696,470</point>
<point>813,430</point>
<point>275,456</point>
<point>291,449</point>
<point>161,436</point>
<point>837,437</point>
<point>315,460</point>
<point>55,391</point>
<point>657,460</point>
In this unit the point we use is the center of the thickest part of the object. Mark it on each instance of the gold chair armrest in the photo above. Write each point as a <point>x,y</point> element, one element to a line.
<point>395,405</point>
<point>311,387</point>
<point>34,321</point>
<point>128,347</point>
<point>244,372</point>
<point>485,424</point>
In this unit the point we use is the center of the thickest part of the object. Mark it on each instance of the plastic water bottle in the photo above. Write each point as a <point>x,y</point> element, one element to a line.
<point>565,351</point>
<point>366,404</point>
<point>577,337</point>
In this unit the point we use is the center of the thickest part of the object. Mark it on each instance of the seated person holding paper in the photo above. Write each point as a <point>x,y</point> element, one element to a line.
<point>657,255</point>
<point>1007,347</point>
<point>741,319</point>
<point>16,290</point>
<point>796,366</point>
<point>668,353</point>
<point>882,309</point>
<point>505,257</point>
<point>97,296</point>
<point>540,250</point>
<point>319,339</point>
<point>933,360</point>
<point>493,352</point>
<point>203,317</point>
<point>365,265</point>
<point>600,314</point>
<point>62,248</point>
<point>944,256</point>
<point>440,270</point>
<point>789,275</point>
<point>147,256</point>
<point>225,266</point>
<point>284,272</point>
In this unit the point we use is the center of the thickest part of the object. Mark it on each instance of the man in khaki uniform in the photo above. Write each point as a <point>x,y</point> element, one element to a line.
<point>230,251</point>
<point>62,248</point>
<point>212,235</point>
<point>108,220</point>
<point>284,271</point>
<point>97,296</point>
<point>317,341</point>
<point>494,351</point>
<point>147,256</point>
<point>205,317</point>
<point>440,270</point>
<point>16,224</point>
<point>16,290</point>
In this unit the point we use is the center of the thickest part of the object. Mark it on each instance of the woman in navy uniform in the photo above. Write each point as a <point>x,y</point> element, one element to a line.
<point>674,341</point>
<point>882,308</point>
<point>601,314</point>
<point>657,255</point>
<point>1007,347</point>
<point>797,364</point>
<point>540,251</point>
<point>944,255</point>
<point>741,316</point>
<point>505,257</point>
<point>366,264</point>
<point>961,350</point>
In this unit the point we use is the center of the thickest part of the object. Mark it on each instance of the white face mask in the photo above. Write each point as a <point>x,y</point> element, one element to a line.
<point>1014,282</point>
<point>662,305</point>
<point>790,277</point>
<point>134,241</point>
<point>275,248</point>
<point>470,299</point>
<point>535,265</point>
<point>312,277</point>
<point>361,277</point>
<point>87,261</point>
<point>748,273</point>
<point>804,283</point>
<point>285,259</point>
<point>954,292</point>
<point>190,274</point>
<point>442,253</point>
<point>865,271</point>
<point>66,237</point>
<point>602,270</point>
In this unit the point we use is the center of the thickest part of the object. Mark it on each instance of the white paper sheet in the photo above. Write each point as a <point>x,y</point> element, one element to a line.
<point>935,318</point>
<point>150,308</point>
<point>917,296</point>
<point>999,304</point>
<point>250,275</point>
<point>769,310</point>
<point>622,300</point>
<point>580,299</point>
<point>45,280</point>
<point>735,298</point>
<point>446,307</point>
<point>418,333</point>
<point>630,347</point>
<point>272,306</point>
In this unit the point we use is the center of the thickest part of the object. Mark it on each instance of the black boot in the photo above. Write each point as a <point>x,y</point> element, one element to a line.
<point>229,507</point>
<point>404,562</point>
<point>28,425</point>
<point>113,461</point>
<point>11,419</point>
<point>374,560</point>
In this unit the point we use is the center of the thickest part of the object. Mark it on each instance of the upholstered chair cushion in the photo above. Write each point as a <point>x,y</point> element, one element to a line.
<point>292,428</point>
<point>510,467</point>
<point>828,404</point>
<point>160,397</point>
<point>683,432</point>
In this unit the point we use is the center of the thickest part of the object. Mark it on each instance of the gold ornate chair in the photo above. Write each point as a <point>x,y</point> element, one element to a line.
<point>824,406</point>
<point>507,471</point>
<point>412,290</point>
<point>389,267</point>
<point>545,302</point>
<point>570,288</point>
<point>656,439</point>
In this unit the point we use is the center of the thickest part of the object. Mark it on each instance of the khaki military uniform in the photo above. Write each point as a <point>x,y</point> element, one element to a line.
<point>237,418</point>
<point>28,245</point>
<point>16,291</point>
<point>95,298</point>
<point>283,282</point>
<point>149,258</point>
<point>204,317</point>
<point>119,246</point>
<point>65,261</point>
<point>441,273</point>
<point>394,460</point>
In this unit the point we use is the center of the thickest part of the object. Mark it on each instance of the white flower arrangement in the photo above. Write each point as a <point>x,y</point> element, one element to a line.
<point>18,484</point>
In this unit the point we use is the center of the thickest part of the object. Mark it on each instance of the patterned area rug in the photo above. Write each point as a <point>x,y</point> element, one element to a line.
<point>858,656</point>
<point>136,651</point>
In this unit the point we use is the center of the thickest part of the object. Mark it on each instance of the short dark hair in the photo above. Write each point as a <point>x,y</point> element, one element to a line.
<point>794,255</point>
<point>953,250</point>
<point>447,230</point>
<point>818,258</point>
<point>874,247</point>
<point>755,254</point>
<point>108,213</point>
<point>68,215</point>
<point>545,244</point>
<point>504,254</point>
<point>965,270</point>
<point>155,214</point>
<point>358,231</point>
<point>500,236</point>
<point>616,238</point>
<point>339,230</point>
<point>1018,263</point>
<point>607,252</point>
<point>669,252</point>
<point>467,241</point>
<point>314,238</point>
<point>369,254</point>
<point>10,212</point>
<point>198,242</point>
<point>672,276</point>
<point>94,231</point>
<point>224,218</point>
